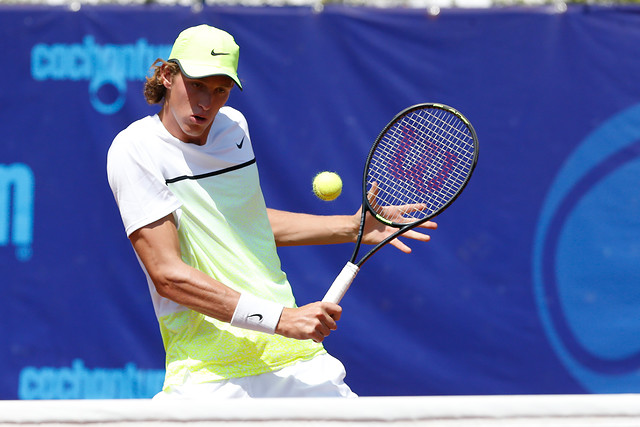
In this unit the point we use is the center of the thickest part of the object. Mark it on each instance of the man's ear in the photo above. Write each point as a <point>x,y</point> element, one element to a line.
<point>166,78</point>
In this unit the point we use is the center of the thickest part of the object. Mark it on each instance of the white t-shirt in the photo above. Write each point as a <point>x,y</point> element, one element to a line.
<point>214,192</point>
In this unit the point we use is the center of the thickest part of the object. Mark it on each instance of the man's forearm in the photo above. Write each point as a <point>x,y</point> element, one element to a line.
<point>291,229</point>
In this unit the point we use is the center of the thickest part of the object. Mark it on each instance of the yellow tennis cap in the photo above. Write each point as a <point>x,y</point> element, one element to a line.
<point>204,51</point>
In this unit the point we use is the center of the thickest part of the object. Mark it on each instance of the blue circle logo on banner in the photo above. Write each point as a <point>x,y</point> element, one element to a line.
<point>586,258</point>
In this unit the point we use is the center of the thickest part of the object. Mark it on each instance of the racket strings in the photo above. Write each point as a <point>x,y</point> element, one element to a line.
<point>419,165</point>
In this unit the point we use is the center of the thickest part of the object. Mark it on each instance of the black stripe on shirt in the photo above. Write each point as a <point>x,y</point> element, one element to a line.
<point>208,174</point>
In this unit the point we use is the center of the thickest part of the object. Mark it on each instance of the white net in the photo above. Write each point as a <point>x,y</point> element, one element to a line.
<point>435,411</point>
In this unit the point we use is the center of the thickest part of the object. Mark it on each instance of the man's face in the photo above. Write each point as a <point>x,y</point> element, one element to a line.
<point>191,105</point>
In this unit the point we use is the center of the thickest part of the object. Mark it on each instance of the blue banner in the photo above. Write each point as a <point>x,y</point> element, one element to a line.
<point>528,286</point>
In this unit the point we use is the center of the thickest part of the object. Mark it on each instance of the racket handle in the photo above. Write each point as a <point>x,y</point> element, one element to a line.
<point>341,283</point>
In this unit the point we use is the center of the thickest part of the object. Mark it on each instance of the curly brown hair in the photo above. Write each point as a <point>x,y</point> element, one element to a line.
<point>154,90</point>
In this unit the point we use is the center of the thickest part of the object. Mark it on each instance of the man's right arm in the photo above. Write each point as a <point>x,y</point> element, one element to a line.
<point>158,247</point>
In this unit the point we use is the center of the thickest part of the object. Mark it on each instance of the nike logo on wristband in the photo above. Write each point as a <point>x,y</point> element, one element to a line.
<point>257,316</point>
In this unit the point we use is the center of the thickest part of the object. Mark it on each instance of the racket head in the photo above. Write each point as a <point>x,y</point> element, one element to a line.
<point>419,164</point>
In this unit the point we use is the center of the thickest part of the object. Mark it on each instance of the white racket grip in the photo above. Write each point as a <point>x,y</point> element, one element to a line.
<point>341,283</point>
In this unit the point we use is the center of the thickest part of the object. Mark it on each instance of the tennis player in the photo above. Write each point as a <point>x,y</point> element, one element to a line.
<point>187,187</point>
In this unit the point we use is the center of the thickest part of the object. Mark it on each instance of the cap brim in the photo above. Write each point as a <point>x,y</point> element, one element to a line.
<point>194,70</point>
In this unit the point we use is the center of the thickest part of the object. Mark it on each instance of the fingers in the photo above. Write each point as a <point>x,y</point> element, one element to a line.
<point>334,311</point>
<point>399,245</point>
<point>429,224</point>
<point>321,333</point>
<point>415,235</point>
<point>410,208</point>
<point>327,322</point>
<point>313,321</point>
<point>372,196</point>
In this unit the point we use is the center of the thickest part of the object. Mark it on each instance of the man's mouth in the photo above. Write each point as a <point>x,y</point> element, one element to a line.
<point>199,119</point>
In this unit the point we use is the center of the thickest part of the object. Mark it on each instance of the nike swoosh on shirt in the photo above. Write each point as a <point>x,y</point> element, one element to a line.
<point>240,144</point>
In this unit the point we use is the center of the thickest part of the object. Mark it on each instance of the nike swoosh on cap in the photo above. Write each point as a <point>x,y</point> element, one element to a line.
<point>214,53</point>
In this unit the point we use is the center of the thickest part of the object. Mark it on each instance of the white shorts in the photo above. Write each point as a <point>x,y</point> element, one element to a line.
<point>322,376</point>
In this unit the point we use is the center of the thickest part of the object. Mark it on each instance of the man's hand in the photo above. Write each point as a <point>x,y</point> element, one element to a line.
<point>313,321</point>
<point>375,231</point>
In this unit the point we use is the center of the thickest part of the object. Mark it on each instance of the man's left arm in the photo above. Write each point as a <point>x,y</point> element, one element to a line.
<point>292,229</point>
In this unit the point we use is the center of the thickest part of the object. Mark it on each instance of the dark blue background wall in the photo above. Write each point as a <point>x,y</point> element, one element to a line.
<point>530,285</point>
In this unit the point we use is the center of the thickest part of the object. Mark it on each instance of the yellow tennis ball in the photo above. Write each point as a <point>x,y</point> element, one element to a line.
<point>327,185</point>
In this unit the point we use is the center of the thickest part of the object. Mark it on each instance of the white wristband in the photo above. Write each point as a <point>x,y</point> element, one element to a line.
<point>256,314</point>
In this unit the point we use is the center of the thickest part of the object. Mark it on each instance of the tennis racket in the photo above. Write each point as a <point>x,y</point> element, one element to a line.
<point>417,167</point>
